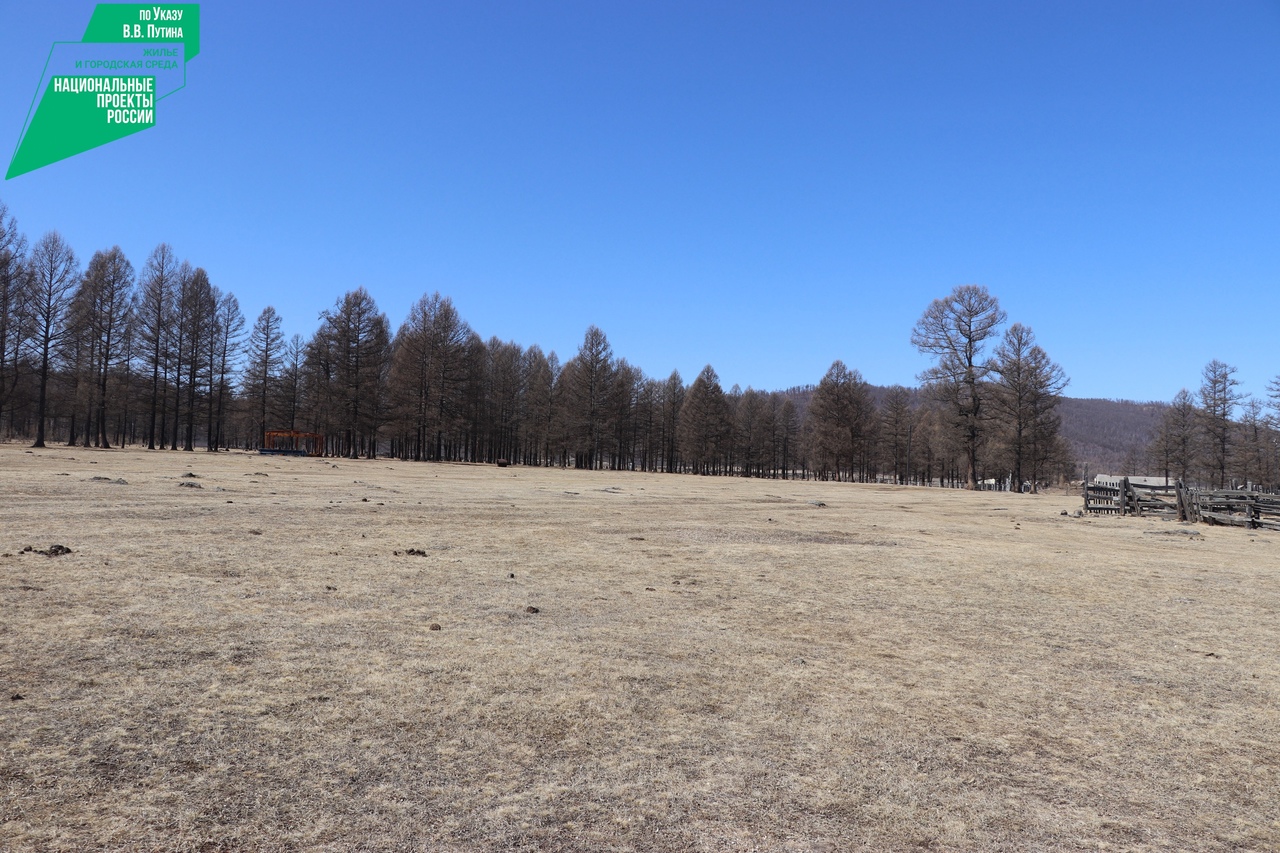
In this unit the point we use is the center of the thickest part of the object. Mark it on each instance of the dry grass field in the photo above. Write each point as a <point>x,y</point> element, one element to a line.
<point>239,654</point>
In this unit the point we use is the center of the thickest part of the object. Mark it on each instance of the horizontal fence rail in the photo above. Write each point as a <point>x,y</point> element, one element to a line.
<point>1235,507</point>
<point>1250,510</point>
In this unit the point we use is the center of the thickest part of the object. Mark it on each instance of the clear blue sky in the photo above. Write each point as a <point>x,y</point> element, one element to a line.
<point>764,187</point>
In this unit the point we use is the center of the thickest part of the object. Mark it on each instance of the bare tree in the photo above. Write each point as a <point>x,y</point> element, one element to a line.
<point>76,357</point>
<point>106,294</point>
<point>359,343</point>
<point>1273,401</point>
<point>1273,424</point>
<point>155,316</point>
<point>294,363</point>
<point>410,386</point>
<point>673,394</point>
<point>1252,457</point>
<point>225,343</point>
<point>429,366</point>
<point>932,442</point>
<point>262,371</point>
<point>1173,448</point>
<point>198,313</point>
<point>540,371</point>
<point>756,430</point>
<point>648,418</point>
<point>180,355</point>
<point>505,388</point>
<point>54,272</point>
<point>786,431</point>
<point>1028,387</point>
<point>841,412</point>
<point>1218,400</point>
<point>624,401</point>
<point>897,420</point>
<point>732,437</point>
<point>592,374</point>
<point>15,295</point>
<point>704,424</point>
<point>476,361</point>
<point>954,331</point>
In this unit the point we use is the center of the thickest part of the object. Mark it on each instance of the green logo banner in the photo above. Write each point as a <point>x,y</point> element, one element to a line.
<point>105,86</point>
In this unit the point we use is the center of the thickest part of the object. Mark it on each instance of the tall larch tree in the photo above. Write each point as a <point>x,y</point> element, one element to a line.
<point>155,315</point>
<point>14,304</point>
<point>226,342</point>
<point>842,414</point>
<point>1029,386</point>
<point>704,424</point>
<point>1218,399</point>
<point>359,343</point>
<point>954,331</point>
<point>265,356</point>
<point>198,315</point>
<point>673,394</point>
<point>592,375</point>
<point>429,362</point>
<point>540,371</point>
<point>897,426</point>
<point>55,271</point>
<point>107,291</point>
<point>1174,447</point>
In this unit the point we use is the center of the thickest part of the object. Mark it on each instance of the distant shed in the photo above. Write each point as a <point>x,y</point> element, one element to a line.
<point>287,442</point>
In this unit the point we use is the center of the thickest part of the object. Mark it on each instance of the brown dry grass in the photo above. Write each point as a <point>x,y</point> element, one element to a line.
<point>716,664</point>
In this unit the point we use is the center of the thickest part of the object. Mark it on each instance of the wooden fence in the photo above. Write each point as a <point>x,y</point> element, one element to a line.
<point>1251,510</point>
<point>1126,498</point>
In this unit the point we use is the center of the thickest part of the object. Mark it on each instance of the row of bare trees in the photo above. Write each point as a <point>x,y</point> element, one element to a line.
<point>1219,436</point>
<point>105,356</point>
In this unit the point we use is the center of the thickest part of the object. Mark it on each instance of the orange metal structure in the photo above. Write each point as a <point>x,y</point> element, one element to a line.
<point>287,442</point>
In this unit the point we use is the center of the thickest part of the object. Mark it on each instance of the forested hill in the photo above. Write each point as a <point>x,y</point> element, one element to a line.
<point>1104,434</point>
